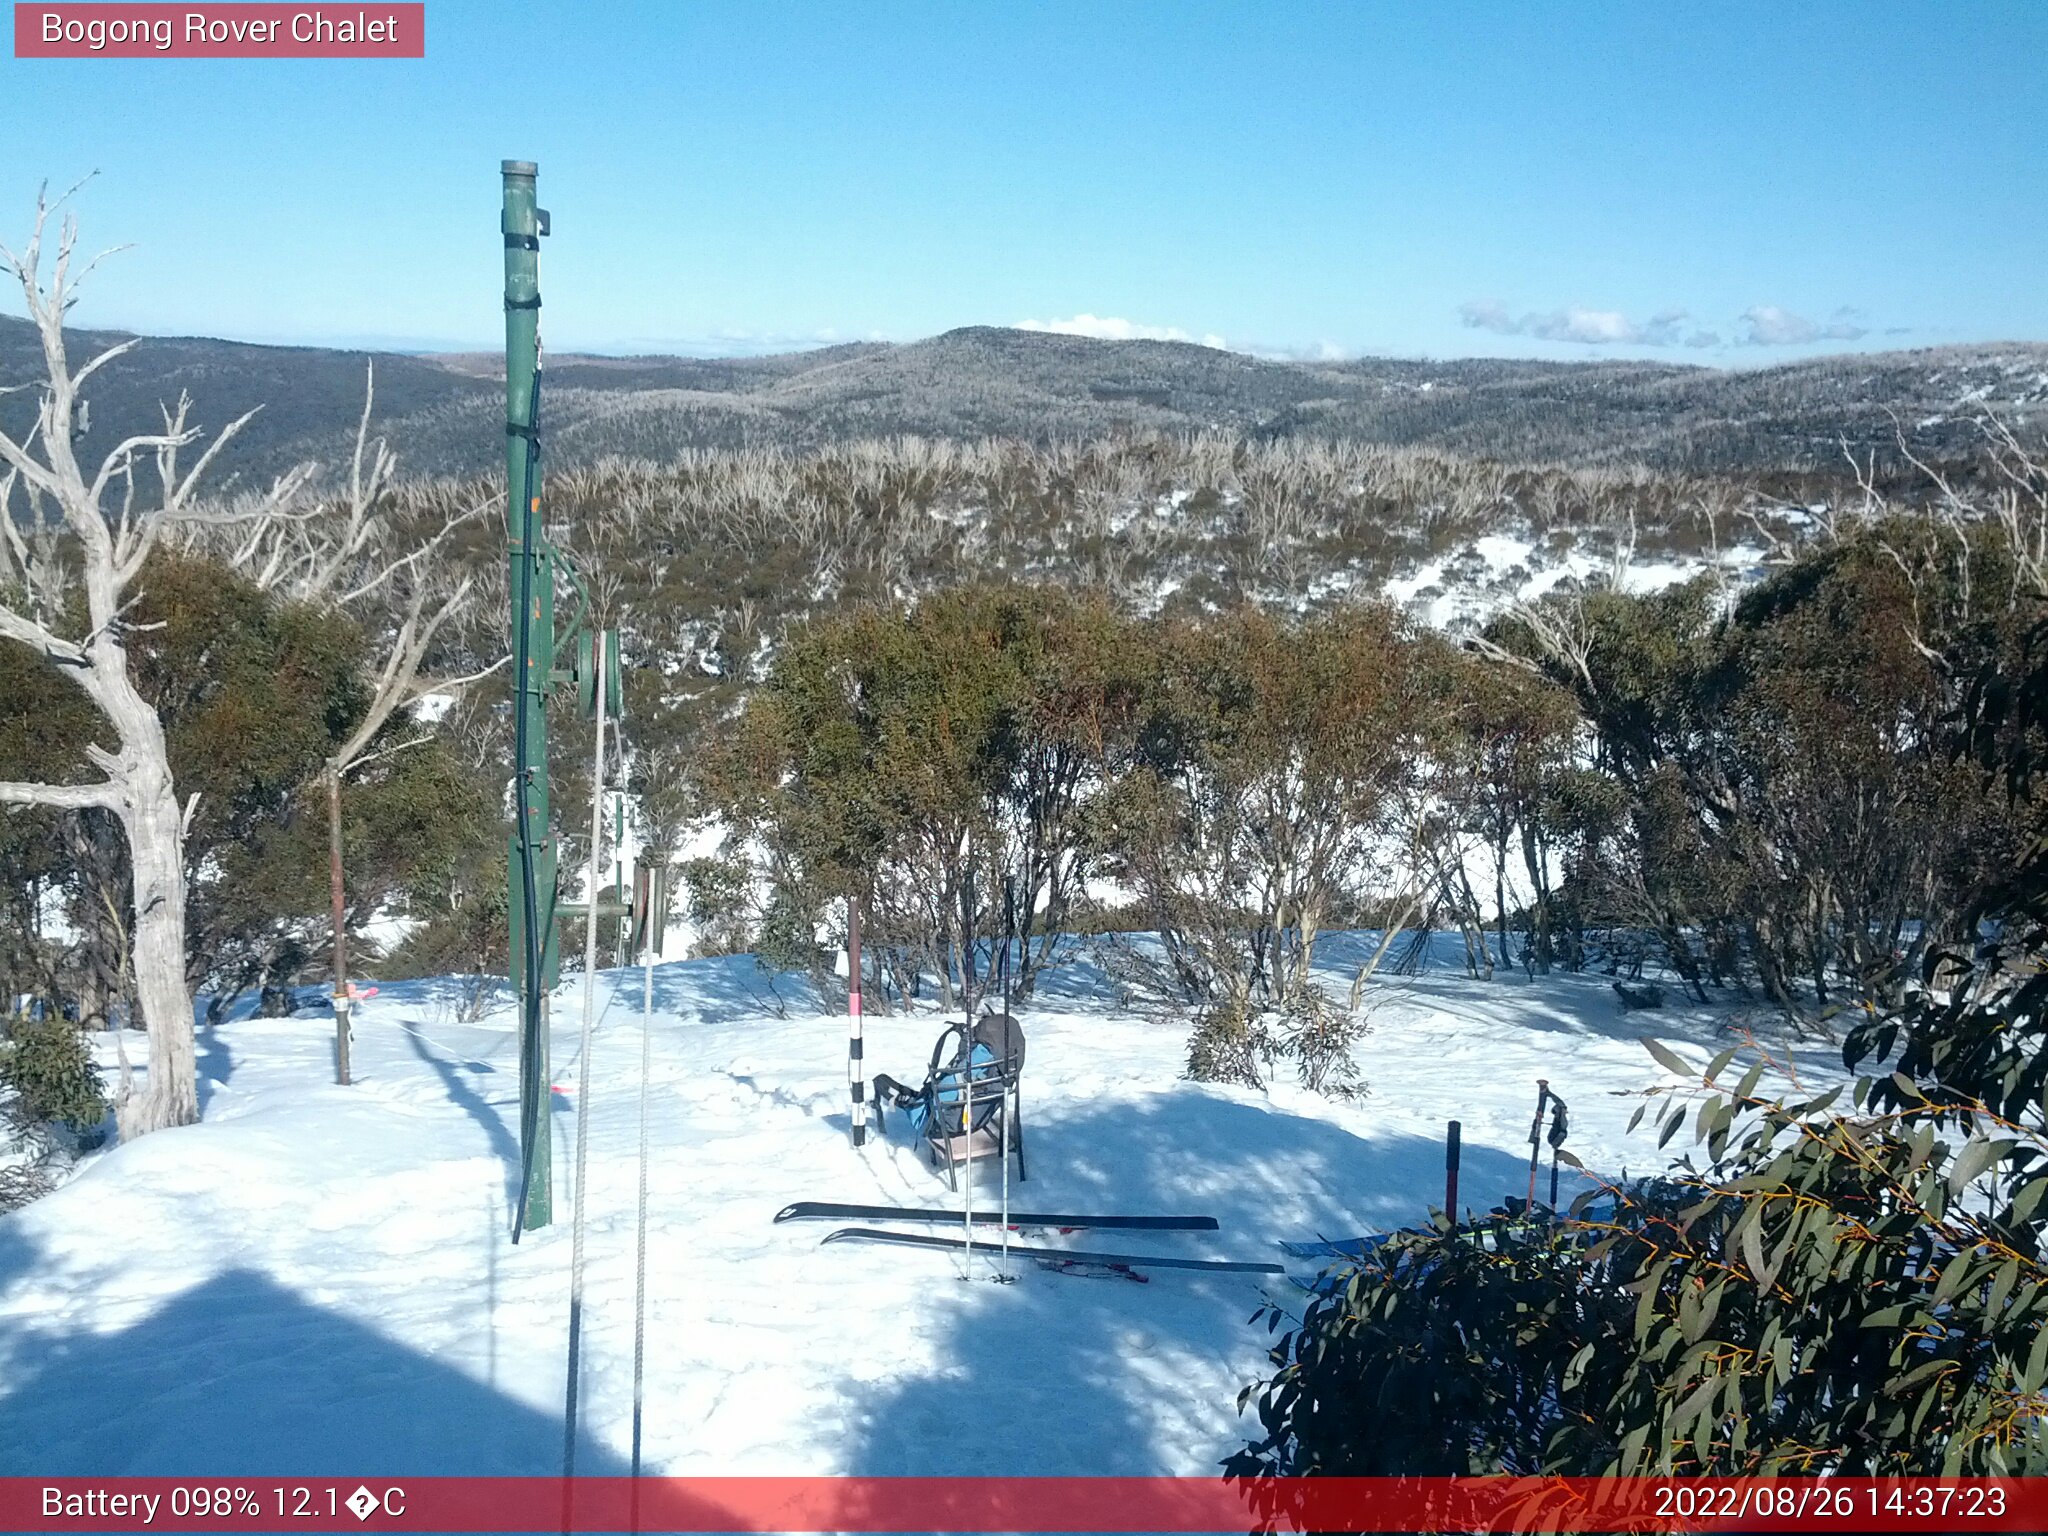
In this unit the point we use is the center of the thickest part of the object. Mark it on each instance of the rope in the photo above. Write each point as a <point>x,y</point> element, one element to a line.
<point>583,1078</point>
<point>640,1257</point>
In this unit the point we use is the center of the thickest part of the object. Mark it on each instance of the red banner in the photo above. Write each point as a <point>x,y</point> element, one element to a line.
<point>978,1504</point>
<point>229,31</point>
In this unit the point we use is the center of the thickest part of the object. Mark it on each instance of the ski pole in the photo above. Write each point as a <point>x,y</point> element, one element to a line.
<point>1536,1141</point>
<point>1559,1128</point>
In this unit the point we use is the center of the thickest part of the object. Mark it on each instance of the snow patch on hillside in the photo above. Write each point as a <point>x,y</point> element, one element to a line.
<point>1460,591</point>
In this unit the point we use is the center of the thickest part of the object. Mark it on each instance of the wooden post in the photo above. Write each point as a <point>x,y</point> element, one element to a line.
<point>1451,1172</point>
<point>338,901</point>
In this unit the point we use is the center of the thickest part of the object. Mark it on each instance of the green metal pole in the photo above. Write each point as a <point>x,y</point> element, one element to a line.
<point>532,846</point>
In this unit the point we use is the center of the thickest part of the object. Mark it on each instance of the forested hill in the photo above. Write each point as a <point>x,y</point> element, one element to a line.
<point>442,412</point>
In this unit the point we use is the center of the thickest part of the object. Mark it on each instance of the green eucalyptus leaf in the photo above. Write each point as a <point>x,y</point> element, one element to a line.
<point>1667,1058</point>
<point>1975,1157</point>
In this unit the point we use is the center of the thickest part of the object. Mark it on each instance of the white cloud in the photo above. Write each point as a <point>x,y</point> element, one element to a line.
<point>1587,327</point>
<point>1487,315</point>
<point>1761,325</point>
<point>729,341</point>
<point>1111,328</point>
<point>1770,326</point>
<point>1310,352</point>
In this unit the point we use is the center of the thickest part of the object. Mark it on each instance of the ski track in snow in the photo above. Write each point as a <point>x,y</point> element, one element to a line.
<point>318,1280</point>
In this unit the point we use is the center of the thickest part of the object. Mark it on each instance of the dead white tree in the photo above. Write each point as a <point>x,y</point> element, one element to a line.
<point>68,576</point>
<point>345,556</point>
<point>1560,628</point>
<point>2019,503</point>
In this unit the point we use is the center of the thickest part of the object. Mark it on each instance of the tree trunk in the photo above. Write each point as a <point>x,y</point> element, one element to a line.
<point>1500,898</point>
<point>1539,904</point>
<point>1478,958</point>
<point>156,852</point>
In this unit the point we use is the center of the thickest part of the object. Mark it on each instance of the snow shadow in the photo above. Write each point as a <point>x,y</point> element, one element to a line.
<point>449,998</point>
<point>1245,1162</point>
<point>17,1254</point>
<point>718,990</point>
<point>215,1063</point>
<point>240,1377</point>
<point>504,1145</point>
<point>1111,1362</point>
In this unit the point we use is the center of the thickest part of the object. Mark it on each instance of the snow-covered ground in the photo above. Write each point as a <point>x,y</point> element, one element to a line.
<point>320,1280</point>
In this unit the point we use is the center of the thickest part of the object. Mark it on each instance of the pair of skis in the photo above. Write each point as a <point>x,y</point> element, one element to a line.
<point>815,1210</point>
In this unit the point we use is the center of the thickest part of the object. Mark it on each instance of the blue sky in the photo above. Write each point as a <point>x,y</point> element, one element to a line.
<point>1724,183</point>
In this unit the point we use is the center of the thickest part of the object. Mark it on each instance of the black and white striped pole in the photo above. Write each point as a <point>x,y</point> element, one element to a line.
<point>856,1080</point>
<point>967,1062</point>
<point>1003,1274</point>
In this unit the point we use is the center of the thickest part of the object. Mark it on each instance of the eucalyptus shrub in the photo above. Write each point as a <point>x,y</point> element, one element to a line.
<point>47,1066</point>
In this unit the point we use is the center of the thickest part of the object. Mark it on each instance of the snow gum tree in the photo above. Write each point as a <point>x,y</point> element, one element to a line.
<point>74,543</point>
<point>921,760</point>
<point>1270,764</point>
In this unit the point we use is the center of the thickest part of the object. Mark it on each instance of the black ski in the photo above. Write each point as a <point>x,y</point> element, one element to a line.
<point>820,1210</point>
<point>1061,1255</point>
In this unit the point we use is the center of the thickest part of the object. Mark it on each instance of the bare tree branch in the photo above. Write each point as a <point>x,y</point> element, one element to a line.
<point>119,349</point>
<point>67,797</point>
<point>392,751</point>
<point>430,685</point>
<point>18,626</point>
